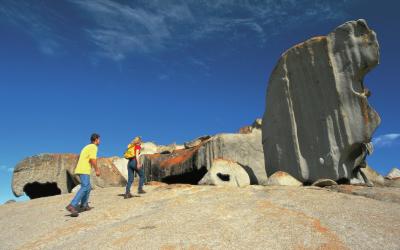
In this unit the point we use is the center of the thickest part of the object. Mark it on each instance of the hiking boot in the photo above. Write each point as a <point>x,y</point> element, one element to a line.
<point>72,210</point>
<point>85,208</point>
<point>141,191</point>
<point>128,195</point>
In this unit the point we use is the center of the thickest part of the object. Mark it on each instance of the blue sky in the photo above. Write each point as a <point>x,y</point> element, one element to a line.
<point>167,70</point>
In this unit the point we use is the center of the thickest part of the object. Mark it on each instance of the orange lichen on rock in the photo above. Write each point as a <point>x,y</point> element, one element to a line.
<point>179,157</point>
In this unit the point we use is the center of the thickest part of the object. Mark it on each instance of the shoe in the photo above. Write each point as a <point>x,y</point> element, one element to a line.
<point>85,208</point>
<point>72,210</point>
<point>128,195</point>
<point>141,191</point>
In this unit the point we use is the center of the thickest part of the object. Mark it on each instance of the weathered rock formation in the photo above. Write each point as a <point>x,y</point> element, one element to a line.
<point>52,174</point>
<point>226,173</point>
<point>189,165</point>
<point>317,119</point>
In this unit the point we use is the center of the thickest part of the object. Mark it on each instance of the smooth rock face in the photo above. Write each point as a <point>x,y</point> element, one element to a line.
<point>394,173</point>
<point>225,173</point>
<point>52,174</point>
<point>206,217</point>
<point>190,164</point>
<point>283,179</point>
<point>317,115</point>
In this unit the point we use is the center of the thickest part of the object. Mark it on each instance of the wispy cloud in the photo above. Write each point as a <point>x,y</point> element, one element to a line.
<point>151,26</point>
<point>118,29</point>
<point>4,168</point>
<point>387,140</point>
<point>35,19</point>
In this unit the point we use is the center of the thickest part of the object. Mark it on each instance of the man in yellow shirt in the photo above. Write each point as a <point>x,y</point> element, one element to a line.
<point>87,159</point>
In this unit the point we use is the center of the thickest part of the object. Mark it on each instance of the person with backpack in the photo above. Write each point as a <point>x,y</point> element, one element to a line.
<point>87,159</point>
<point>134,165</point>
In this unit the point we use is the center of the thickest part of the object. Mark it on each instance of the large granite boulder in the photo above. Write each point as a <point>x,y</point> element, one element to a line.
<point>190,164</point>
<point>226,173</point>
<point>52,174</point>
<point>318,121</point>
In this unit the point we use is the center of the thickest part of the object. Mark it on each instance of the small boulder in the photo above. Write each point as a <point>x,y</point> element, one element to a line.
<point>281,178</point>
<point>324,183</point>
<point>225,173</point>
<point>10,201</point>
<point>394,173</point>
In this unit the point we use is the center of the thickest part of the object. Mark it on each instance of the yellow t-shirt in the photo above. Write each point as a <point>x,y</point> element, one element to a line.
<point>87,153</point>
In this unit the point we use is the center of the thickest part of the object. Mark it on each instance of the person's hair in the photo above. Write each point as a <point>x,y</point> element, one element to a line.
<point>136,140</point>
<point>94,137</point>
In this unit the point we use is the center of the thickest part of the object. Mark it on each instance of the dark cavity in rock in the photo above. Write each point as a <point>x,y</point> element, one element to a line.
<point>224,177</point>
<point>192,177</point>
<point>37,190</point>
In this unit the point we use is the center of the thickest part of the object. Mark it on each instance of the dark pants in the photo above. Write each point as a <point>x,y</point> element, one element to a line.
<point>132,167</point>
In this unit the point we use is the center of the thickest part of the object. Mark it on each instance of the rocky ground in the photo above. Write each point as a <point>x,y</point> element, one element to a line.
<point>207,217</point>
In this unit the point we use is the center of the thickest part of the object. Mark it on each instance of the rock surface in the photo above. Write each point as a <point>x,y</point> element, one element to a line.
<point>283,179</point>
<point>393,182</point>
<point>387,194</point>
<point>394,173</point>
<point>205,217</point>
<point>225,173</point>
<point>317,114</point>
<point>52,174</point>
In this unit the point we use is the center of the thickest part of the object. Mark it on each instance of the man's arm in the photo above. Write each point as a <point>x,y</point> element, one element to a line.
<point>93,162</point>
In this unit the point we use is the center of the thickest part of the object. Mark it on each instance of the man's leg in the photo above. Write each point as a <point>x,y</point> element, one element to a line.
<point>72,207</point>
<point>85,182</point>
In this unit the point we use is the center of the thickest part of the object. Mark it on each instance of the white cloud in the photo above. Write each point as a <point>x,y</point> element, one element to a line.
<point>35,19</point>
<point>151,26</point>
<point>4,168</point>
<point>386,140</point>
<point>120,28</point>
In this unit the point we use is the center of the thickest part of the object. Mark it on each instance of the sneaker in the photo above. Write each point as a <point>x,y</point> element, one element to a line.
<point>141,191</point>
<point>128,195</point>
<point>72,210</point>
